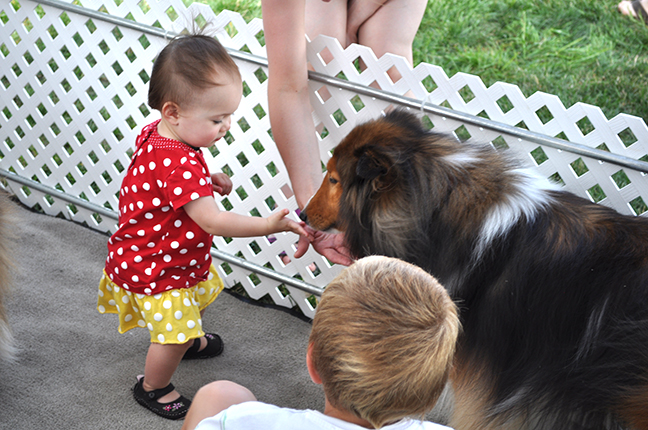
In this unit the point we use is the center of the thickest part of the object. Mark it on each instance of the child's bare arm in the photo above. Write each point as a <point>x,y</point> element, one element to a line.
<point>205,212</point>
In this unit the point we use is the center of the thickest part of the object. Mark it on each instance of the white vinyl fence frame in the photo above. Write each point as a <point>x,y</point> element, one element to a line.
<point>73,89</point>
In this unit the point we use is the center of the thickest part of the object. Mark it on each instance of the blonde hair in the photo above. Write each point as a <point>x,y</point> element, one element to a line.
<point>383,340</point>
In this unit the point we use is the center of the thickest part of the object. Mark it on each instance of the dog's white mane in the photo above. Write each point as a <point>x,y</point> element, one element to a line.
<point>530,195</point>
<point>463,159</point>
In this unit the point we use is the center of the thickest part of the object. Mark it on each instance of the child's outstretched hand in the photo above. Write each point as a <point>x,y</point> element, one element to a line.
<point>278,222</point>
<point>221,183</point>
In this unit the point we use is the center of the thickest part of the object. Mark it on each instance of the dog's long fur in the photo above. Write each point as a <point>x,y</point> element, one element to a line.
<point>553,289</point>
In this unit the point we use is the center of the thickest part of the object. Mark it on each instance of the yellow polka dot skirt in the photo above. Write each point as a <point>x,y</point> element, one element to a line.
<point>172,317</point>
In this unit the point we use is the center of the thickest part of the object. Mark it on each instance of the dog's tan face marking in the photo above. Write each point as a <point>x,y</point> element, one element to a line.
<point>323,207</point>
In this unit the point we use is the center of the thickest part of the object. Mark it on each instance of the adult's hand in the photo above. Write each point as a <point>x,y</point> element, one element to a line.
<point>330,245</point>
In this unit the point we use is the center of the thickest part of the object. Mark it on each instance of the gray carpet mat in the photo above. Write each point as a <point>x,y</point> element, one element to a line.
<point>75,371</point>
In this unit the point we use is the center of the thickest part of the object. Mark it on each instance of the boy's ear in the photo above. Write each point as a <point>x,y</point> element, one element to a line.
<point>311,367</point>
<point>170,112</point>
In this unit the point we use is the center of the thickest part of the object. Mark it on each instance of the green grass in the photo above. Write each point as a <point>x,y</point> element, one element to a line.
<point>580,50</point>
<point>247,8</point>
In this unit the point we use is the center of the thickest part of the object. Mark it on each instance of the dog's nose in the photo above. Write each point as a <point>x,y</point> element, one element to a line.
<point>302,216</point>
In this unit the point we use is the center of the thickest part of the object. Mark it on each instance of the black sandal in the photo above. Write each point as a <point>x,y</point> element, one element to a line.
<point>213,348</point>
<point>173,410</point>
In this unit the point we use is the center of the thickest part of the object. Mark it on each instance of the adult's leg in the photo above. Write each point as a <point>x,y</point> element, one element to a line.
<point>392,27</point>
<point>214,398</point>
<point>327,18</point>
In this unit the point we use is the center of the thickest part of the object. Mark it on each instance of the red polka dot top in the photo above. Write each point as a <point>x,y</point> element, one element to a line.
<point>157,246</point>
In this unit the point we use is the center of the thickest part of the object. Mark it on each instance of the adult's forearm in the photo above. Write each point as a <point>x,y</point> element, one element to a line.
<point>288,99</point>
<point>294,135</point>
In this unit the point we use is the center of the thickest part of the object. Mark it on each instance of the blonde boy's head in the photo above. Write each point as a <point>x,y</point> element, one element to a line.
<point>383,340</point>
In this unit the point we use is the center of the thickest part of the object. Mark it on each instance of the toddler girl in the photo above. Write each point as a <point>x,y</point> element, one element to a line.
<point>158,273</point>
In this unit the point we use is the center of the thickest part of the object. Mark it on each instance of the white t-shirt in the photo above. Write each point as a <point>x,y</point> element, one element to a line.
<point>258,415</point>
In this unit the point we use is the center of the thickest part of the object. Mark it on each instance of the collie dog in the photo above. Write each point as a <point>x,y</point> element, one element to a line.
<point>552,288</point>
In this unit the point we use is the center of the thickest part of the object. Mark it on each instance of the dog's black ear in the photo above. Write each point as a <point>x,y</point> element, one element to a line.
<point>372,163</point>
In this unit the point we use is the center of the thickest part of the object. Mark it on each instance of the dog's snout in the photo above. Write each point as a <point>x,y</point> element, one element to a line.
<point>303,216</point>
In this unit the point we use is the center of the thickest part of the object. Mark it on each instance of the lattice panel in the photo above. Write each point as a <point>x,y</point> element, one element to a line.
<point>74,98</point>
<point>78,91</point>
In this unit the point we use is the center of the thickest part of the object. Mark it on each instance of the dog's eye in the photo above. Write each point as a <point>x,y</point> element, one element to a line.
<point>332,180</point>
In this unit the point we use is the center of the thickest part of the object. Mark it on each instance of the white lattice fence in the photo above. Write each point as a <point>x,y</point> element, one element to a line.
<point>74,85</point>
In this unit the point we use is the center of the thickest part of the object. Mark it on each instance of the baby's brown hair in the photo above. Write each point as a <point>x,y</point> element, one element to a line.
<point>187,64</point>
<point>383,340</point>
